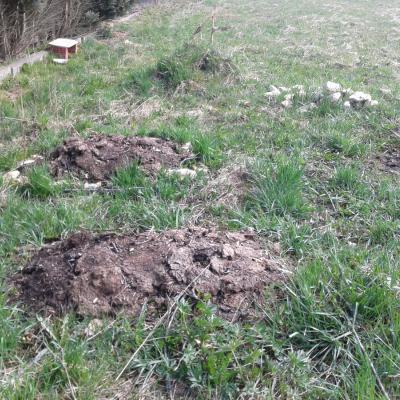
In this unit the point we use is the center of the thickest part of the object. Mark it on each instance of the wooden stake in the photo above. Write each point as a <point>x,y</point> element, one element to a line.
<point>213,29</point>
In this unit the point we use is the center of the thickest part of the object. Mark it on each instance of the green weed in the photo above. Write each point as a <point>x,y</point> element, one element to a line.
<point>346,178</point>
<point>141,80</point>
<point>346,145</point>
<point>131,181</point>
<point>278,188</point>
<point>40,183</point>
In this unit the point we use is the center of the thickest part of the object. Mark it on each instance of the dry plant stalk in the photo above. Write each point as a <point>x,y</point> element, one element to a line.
<point>213,28</point>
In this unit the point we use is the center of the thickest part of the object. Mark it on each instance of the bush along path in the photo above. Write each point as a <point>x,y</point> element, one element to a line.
<point>187,217</point>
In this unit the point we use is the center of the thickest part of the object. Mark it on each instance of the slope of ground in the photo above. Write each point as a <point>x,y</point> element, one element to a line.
<point>313,177</point>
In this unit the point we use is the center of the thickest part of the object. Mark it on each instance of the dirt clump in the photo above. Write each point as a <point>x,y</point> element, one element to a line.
<point>101,275</point>
<point>213,62</point>
<point>97,157</point>
<point>389,160</point>
<point>190,87</point>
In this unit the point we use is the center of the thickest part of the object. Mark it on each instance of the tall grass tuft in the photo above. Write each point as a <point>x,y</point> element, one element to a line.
<point>278,187</point>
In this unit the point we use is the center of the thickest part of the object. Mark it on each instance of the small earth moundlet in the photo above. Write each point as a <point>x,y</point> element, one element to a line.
<point>389,160</point>
<point>104,275</point>
<point>97,157</point>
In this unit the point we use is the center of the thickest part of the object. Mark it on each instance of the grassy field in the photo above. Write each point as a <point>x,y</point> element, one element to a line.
<point>318,189</point>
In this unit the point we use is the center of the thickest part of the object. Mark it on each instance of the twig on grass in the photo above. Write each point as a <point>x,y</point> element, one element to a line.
<point>161,320</point>
<point>60,359</point>
<point>371,364</point>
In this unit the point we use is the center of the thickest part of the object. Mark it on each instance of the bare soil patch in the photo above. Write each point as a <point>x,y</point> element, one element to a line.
<point>98,157</point>
<point>101,275</point>
<point>389,160</point>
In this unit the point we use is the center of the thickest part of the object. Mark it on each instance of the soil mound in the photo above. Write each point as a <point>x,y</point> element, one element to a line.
<point>97,275</point>
<point>213,62</point>
<point>98,157</point>
<point>390,160</point>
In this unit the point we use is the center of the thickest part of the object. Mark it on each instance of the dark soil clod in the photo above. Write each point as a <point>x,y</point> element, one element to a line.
<point>213,62</point>
<point>102,275</point>
<point>98,157</point>
<point>390,160</point>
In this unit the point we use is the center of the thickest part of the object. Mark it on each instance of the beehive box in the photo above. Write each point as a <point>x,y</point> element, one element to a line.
<point>64,47</point>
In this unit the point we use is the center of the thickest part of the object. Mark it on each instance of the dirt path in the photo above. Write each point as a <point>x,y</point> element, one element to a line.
<point>15,67</point>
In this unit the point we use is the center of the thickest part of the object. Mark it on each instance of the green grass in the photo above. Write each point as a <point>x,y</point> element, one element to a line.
<point>131,180</point>
<point>346,178</point>
<point>314,186</point>
<point>40,184</point>
<point>278,188</point>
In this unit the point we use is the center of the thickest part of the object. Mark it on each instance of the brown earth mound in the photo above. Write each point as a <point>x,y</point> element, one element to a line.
<point>105,274</point>
<point>98,157</point>
<point>390,160</point>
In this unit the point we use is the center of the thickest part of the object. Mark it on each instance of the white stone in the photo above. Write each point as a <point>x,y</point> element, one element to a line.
<point>385,91</point>
<point>95,325</point>
<point>307,107</point>
<point>300,90</point>
<point>287,103</point>
<point>284,89</point>
<point>333,87</point>
<point>14,178</point>
<point>347,104</point>
<point>360,99</point>
<point>11,175</point>
<point>183,172</point>
<point>202,168</point>
<point>92,186</point>
<point>187,146</point>
<point>271,95</point>
<point>30,162</point>
<point>374,103</point>
<point>274,92</point>
<point>335,97</point>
